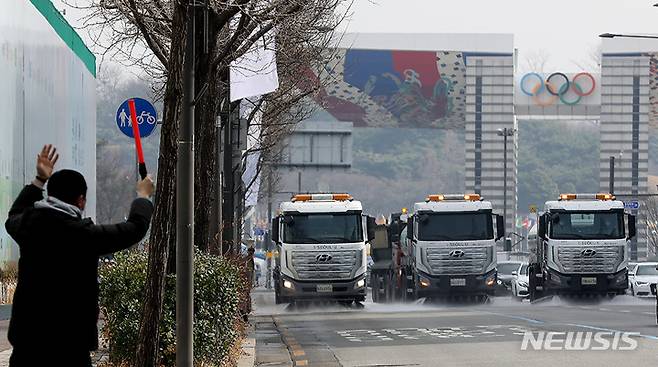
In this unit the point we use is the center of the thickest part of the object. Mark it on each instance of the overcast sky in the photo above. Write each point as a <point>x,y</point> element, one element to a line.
<point>565,30</point>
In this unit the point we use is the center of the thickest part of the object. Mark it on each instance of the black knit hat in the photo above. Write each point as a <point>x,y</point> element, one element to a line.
<point>67,185</point>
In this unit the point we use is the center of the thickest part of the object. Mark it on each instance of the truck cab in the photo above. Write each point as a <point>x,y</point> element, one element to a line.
<point>321,242</point>
<point>581,246</point>
<point>452,246</point>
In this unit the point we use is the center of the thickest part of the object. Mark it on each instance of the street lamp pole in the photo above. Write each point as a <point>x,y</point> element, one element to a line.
<point>612,175</point>
<point>185,206</point>
<point>505,132</point>
<point>617,35</point>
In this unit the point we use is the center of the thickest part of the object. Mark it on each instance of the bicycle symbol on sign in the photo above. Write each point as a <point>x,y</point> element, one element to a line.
<point>149,119</point>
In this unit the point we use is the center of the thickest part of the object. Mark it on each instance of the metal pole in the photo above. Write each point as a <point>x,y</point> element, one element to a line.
<point>228,214</point>
<point>218,185</point>
<point>299,181</point>
<point>612,175</point>
<point>505,175</point>
<point>236,167</point>
<point>268,245</point>
<point>185,208</point>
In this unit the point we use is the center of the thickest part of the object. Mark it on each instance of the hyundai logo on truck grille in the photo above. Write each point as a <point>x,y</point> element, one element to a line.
<point>323,258</point>
<point>456,253</point>
<point>588,252</point>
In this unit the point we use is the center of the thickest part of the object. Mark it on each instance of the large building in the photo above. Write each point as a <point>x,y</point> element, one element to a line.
<point>629,108</point>
<point>47,95</point>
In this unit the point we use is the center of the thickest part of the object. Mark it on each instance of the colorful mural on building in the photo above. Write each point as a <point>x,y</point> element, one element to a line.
<point>388,88</point>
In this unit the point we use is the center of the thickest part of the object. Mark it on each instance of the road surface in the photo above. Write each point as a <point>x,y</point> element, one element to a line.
<point>425,334</point>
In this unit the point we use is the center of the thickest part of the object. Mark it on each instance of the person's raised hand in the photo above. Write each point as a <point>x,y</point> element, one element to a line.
<point>46,162</point>
<point>145,188</point>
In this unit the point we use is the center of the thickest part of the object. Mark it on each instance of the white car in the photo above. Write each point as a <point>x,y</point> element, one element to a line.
<point>643,279</point>
<point>260,271</point>
<point>520,282</point>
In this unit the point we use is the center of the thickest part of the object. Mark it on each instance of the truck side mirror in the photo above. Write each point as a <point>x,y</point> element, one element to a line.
<point>410,228</point>
<point>632,231</point>
<point>275,230</point>
<point>500,227</point>
<point>541,227</point>
<point>370,226</point>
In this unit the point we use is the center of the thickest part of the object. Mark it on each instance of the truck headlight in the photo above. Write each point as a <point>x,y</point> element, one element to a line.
<point>288,284</point>
<point>360,284</point>
<point>424,282</point>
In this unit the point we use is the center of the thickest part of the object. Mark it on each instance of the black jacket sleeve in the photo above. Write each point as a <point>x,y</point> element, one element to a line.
<point>108,238</point>
<point>26,199</point>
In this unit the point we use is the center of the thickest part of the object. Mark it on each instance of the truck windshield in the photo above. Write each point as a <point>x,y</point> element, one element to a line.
<point>322,228</point>
<point>455,226</point>
<point>587,225</point>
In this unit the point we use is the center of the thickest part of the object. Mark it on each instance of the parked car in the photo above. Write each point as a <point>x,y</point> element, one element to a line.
<point>520,282</point>
<point>505,270</point>
<point>643,279</point>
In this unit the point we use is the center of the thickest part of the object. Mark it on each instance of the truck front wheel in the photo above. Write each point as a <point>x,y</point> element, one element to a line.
<point>535,286</point>
<point>278,299</point>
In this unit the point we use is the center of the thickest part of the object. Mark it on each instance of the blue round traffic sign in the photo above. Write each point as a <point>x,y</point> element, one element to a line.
<point>145,114</point>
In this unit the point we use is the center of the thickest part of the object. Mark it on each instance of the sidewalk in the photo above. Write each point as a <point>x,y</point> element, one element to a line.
<point>4,358</point>
<point>5,347</point>
<point>248,357</point>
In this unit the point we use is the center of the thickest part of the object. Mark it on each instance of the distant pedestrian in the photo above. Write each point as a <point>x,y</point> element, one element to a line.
<point>55,311</point>
<point>249,263</point>
<point>249,275</point>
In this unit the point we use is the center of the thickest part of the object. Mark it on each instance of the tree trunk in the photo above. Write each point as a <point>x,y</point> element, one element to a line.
<point>163,228</point>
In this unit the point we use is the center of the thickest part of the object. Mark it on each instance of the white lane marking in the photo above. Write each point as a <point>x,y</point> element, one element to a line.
<point>441,333</point>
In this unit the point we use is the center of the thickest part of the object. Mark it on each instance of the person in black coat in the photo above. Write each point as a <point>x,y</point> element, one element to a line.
<point>55,309</point>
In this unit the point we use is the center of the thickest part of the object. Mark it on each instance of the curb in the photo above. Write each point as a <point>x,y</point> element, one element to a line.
<point>248,355</point>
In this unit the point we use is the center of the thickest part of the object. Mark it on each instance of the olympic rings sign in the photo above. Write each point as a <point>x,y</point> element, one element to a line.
<point>556,86</point>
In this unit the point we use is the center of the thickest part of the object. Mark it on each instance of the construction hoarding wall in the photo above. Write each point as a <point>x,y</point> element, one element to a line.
<point>47,95</point>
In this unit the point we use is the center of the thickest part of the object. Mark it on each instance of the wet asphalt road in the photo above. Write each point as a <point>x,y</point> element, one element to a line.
<point>430,334</point>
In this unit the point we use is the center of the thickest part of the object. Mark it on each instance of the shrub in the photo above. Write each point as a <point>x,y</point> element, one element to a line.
<point>218,289</point>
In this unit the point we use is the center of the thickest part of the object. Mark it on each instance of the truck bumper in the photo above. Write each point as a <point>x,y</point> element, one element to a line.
<point>354,289</point>
<point>446,285</point>
<point>586,283</point>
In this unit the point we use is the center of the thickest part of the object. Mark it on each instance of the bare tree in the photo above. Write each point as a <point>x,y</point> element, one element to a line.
<point>150,34</point>
<point>593,61</point>
<point>537,60</point>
